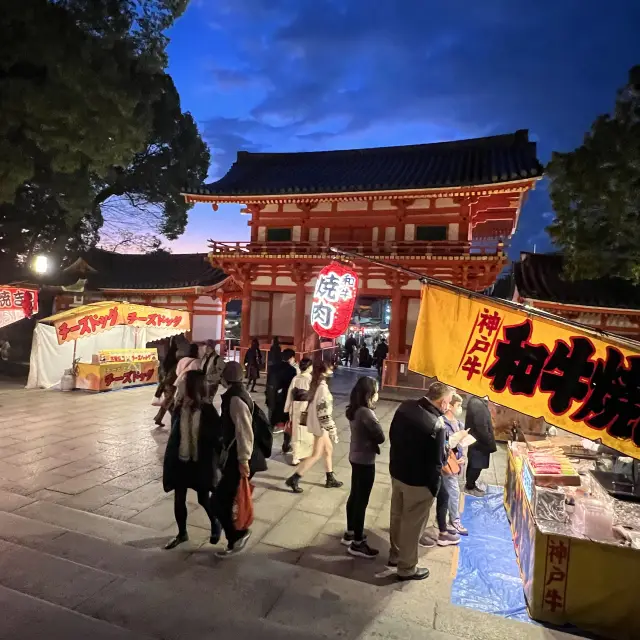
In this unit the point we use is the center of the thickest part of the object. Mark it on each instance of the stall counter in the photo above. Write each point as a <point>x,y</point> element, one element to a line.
<point>115,375</point>
<point>570,580</point>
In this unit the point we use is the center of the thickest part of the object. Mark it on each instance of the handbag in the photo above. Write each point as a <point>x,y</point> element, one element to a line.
<point>288,427</point>
<point>452,466</point>
<point>243,506</point>
<point>303,418</point>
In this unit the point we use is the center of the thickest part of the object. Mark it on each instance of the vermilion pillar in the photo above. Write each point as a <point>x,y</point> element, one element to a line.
<point>395,328</point>
<point>245,333</point>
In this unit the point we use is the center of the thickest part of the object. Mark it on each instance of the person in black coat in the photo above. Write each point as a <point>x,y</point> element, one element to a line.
<point>191,456</point>
<point>480,425</point>
<point>279,380</point>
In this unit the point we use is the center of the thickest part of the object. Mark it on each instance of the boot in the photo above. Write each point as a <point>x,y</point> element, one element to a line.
<point>332,482</point>
<point>160,416</point>
<point>293,483</point>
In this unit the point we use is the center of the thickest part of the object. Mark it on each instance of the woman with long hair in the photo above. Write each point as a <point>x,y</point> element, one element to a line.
<point>191,454</point>
<point>366,438</point>
<point>253,364</point>
<point>319,423</point>
<point>296,406</point>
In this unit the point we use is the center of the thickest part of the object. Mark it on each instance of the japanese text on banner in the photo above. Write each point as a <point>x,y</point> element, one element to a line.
<point>538,366</point>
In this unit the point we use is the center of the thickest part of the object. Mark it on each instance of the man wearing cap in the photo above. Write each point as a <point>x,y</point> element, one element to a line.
<point>237,441</point>
<point>212,365</point>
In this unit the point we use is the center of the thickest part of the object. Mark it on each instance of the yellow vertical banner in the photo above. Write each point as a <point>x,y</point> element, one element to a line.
<point>572,377</point>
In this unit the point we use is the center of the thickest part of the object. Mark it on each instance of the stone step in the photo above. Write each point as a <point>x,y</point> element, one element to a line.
<point>162,594</point>
<point>29,618</point>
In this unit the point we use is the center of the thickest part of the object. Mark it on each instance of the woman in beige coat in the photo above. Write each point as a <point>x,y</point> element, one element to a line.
<point>296,406</point>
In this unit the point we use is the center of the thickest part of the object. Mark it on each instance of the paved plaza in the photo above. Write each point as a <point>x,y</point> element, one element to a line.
<point>83,517</point>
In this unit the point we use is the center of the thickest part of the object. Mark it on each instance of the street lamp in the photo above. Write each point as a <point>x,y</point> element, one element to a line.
<point>41,264</point>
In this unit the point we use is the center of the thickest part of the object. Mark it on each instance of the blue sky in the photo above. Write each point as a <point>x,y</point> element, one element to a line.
<point>299,75</point>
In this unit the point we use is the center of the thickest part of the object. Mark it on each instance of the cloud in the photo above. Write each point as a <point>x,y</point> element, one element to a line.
<point>326,74</point>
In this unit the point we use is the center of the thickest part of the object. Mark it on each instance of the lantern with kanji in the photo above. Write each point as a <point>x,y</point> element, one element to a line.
<point>333,300</point>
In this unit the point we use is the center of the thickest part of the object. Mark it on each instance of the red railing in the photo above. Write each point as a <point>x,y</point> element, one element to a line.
<point>369,247</point>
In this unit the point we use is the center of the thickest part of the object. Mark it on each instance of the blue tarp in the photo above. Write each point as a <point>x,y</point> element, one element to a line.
<point>488,578</point>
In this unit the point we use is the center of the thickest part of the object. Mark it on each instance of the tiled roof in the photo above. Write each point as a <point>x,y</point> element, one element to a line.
<point>472,162</point>
<point>108,270</point>
<point>539,276</point>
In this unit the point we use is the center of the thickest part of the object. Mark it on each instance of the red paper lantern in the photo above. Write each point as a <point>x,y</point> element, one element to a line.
<point>333,300</point>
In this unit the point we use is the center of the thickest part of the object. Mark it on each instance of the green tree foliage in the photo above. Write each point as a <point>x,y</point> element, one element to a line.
<point>88,116</point>
<point>595,190</point>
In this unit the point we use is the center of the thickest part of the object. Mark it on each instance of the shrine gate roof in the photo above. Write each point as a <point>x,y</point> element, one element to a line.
<point>109,270</point>
<point>477,161</point>
<point>539,277</point>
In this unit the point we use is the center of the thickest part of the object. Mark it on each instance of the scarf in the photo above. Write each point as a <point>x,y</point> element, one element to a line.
<point>189,432</point>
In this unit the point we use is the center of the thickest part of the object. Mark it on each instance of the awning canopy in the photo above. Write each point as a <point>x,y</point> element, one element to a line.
<point>91,319</point>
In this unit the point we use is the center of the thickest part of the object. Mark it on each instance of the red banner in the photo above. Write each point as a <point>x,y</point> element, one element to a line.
<point>17,303</point>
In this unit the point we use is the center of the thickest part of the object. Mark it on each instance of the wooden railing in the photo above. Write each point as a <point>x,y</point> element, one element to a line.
<point>383,248</point>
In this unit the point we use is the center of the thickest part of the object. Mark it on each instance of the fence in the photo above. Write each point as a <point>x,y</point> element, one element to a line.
<point>404,379</point>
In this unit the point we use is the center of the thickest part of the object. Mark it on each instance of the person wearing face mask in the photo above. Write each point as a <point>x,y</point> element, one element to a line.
<point>452,480</point>
<point>448,500</point>
<point>366,437</point>
<point>319,421</point>
<point>418,446</point>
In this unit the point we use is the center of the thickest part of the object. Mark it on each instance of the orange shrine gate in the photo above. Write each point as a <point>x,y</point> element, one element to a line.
<point>444,210</point>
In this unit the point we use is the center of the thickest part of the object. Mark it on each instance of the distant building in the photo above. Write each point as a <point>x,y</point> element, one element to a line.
<point>609,304</point>
<point>182,281</point>
<point>444,210</point>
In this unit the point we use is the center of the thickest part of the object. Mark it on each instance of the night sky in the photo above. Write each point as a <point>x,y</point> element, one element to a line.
<point>302,75</point>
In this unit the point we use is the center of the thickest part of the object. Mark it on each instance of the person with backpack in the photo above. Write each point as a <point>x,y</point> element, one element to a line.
<point>247,441</point>
<point>321,424</point>
<point>190,457</point>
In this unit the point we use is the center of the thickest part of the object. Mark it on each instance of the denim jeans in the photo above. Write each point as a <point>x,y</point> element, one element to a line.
<point>453,489</point>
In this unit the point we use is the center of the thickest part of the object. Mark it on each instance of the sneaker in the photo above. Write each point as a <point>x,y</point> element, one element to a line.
<point>179,539</point>
<point>292,483</point>
<point>348,538</point>
<point>238,547</point>
<point>457,527</point>
<point>427,541</point>
<point>446,539</point>
<point>362,550</point>
<point>277,430</point>
<point>475,492</point>
<point>421,573</point>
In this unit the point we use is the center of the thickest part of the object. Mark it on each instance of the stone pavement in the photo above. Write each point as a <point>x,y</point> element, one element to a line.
<point>83,517</point>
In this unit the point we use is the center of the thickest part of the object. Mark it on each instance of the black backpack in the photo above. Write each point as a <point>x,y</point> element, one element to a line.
<point>262,432</point>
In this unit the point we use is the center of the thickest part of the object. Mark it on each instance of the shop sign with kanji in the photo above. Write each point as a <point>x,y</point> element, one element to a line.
<point>96,318</point>
<point>541,367</point>
<point>17,303</point>
<point>334,298</point>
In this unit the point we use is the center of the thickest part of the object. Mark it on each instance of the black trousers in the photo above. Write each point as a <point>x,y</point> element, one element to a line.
<point>442,507</point>
<point>224,498</point>
<point>362,478</point>
<point>180,508</point>
<point>473,473</point>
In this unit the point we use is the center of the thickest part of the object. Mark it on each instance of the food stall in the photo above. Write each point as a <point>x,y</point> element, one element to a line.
<point>578,547</point>
<point>104,344</point>
<point>572,499</point>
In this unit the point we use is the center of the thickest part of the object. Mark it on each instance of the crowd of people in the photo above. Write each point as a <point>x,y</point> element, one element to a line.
<point>210,452</point>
